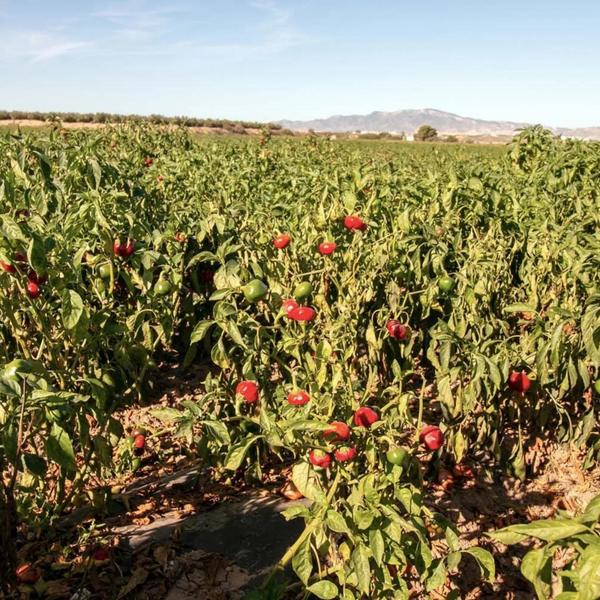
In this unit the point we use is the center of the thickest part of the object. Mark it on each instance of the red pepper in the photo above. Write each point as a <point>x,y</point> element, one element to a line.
<point>337,432</point>
<point>353,222</point>
<point>298,398</point>
<point>289,306</point>
<point>124,248</point>
<point>365,417</point>
<point>282,241</point>
<point>319,458</point>
<point>8,268</point>
<point>248,390</point>
<point>35,278</point>
<point>432,437</point>
<point>396,329</point>
<point>302,313</point>
<point>345,453</point>
<point>33,291</point>
<point>327,248</point>
<point>148,162</point>
<point>519,382</point>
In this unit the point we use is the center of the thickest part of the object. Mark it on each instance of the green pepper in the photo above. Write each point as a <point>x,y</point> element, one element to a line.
<point>303,290</point>
<point>446,284</point>
<point>104,271</point>
<point>162,287</point>
<point>256,290</point>
<point>396,456</point>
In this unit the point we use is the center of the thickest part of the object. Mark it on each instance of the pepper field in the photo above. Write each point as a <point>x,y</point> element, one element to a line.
<point>454,324</point>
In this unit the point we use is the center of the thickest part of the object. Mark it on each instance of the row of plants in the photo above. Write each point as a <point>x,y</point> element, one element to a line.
<point>104,118</point>
<point>373,316</point>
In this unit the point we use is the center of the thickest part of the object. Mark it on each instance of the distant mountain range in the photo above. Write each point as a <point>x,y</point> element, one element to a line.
<point>409,121</point>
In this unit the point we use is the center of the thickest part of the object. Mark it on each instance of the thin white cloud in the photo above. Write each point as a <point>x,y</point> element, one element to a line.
<point>135,28</point>
<point>58,49</point>
<point>136,16</point>
<point>37,46</point>
<point>276,35</point>
<point>279,15</point>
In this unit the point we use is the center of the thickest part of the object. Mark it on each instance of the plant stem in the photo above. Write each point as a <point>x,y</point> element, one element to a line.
<point>420,415</point>
<point>305,534</point>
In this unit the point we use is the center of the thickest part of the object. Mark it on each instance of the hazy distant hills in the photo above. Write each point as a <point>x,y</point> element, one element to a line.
<point>409,121</point>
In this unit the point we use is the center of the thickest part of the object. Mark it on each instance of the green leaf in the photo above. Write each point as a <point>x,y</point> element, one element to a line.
<point>486,562</point>
<point>97,172</point>
<point>458,445</point>
<point>35,464</point>
<point>238,452</point>
<point>103,450</point>
<point>185,429</point>
<point>200,331</point>
<point>302,561</point>
<point>506,536</point>
<point>10,229</point>
<point>326,590</point>
<point>453,560</point>
<point>476,184</point>
<point>377,545</point>
<point>235,334</point>
<point>304,425</point>
<point>193,407</point>
<point>549,530</point>
<point>589,574</point>
<point>306,481</point>
<point>519,307</point>
<point>452,539</point>
<point>296,511</point>
<point>363,518</point>
<point>60,449</point>
<point>537,567</point>
<point>438,575</point>
<point>166,414</point>
<point>72,308</point>
<point>360,564</point>
<point>36,254</point>
<point>218,431</point>
<point>336,522</point>
<point>9,441</point>
<point>592,512</point>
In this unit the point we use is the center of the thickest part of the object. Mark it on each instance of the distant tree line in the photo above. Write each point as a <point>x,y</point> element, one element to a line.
<point>101,117</point>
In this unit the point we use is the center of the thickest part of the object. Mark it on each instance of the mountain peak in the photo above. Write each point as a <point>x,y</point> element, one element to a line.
<point>409,120</point>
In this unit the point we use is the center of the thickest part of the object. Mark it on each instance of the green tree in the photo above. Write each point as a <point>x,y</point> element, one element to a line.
<point>426,133</point>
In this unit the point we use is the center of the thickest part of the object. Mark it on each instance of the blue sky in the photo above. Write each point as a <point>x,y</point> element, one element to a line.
<point>526,60</point>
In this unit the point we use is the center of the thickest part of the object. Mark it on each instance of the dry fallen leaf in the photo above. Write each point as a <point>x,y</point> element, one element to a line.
<point>161,555</point>
<point>57,590</point>
<point>138,577</point>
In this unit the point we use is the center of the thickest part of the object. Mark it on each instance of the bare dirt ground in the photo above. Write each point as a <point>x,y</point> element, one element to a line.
<point>171,531</point>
